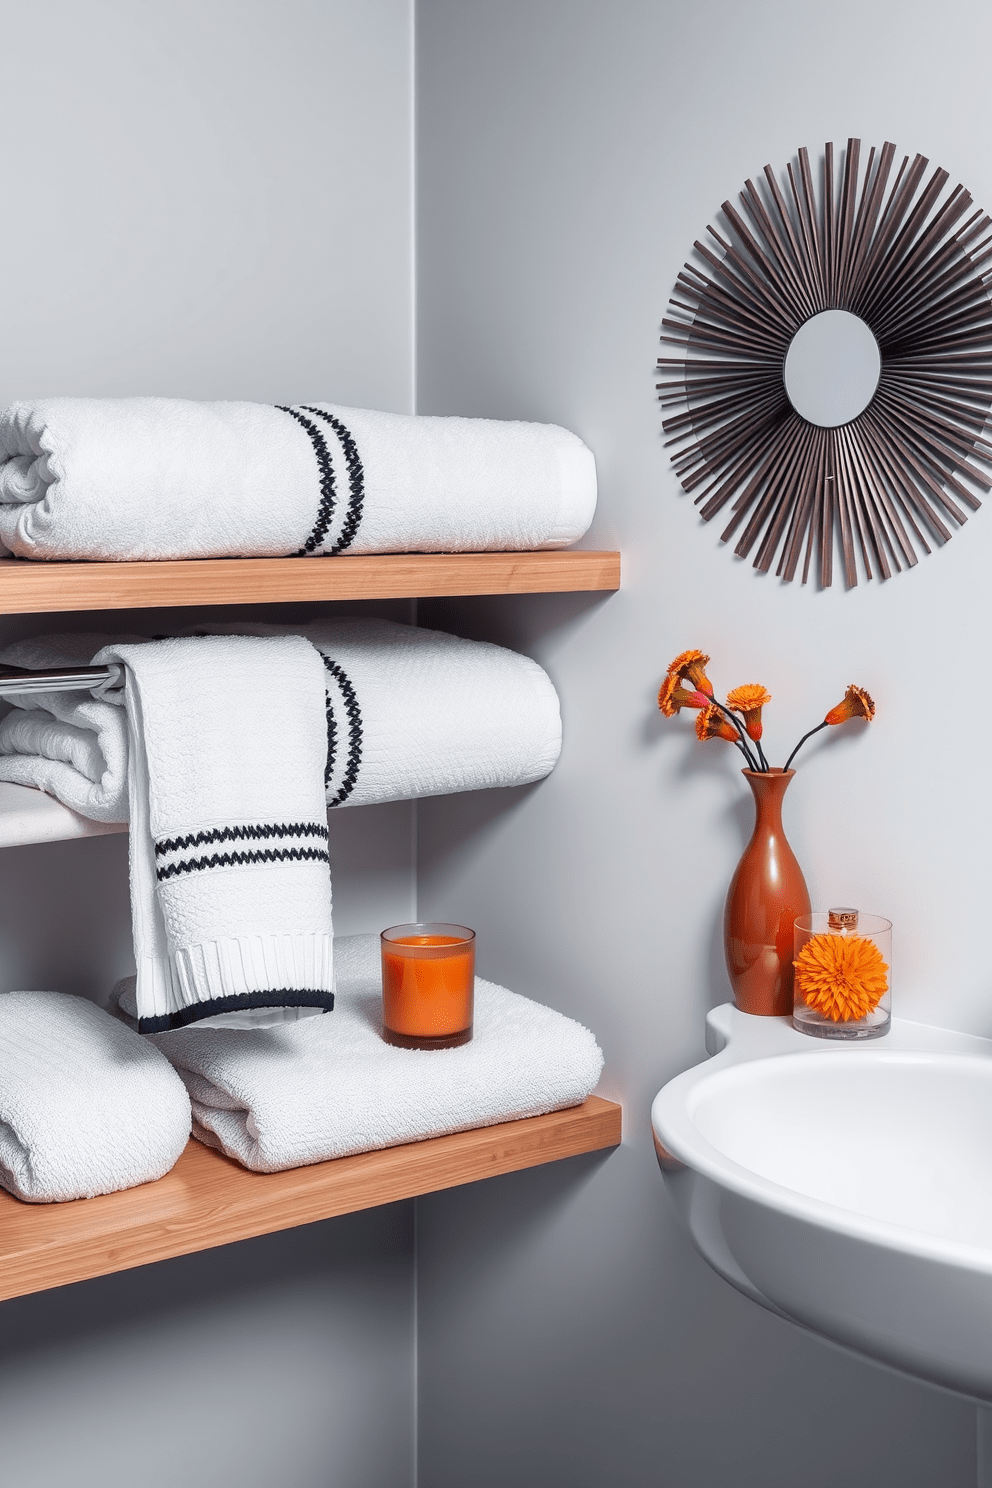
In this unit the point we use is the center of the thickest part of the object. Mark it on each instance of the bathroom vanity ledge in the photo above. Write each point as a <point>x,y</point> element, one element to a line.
<point>36,587</point>
<point>208,1200</point>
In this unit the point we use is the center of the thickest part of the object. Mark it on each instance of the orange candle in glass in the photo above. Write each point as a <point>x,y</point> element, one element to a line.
<point>428,985</point>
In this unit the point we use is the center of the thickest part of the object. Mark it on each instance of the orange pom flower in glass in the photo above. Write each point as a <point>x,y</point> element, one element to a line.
<point>711,724</point>
<point>692,664</point>
<point>672,696</point>
<point>842,976</point>
<point>856,704</point>
<point>749,700</point>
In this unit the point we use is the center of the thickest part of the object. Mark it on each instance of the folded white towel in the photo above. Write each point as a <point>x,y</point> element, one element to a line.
<point>125,478</point>
<point>230,877</point>
<point>86,1106</point>
<point>284,1097</point>
<point>409,713</point>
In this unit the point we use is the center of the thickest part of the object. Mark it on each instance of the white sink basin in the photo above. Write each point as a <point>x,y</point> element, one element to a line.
<point>848,1188</point>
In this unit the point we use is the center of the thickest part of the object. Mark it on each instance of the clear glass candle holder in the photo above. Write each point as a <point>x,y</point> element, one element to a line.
<point>428,985</point>
<point>843,982</point>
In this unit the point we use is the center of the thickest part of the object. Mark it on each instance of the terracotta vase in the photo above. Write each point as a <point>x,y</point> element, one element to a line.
<point>766,894</point>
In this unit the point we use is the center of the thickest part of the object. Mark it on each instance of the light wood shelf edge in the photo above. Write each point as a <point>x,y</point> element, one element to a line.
<point>40,588</point>
<point>207,1200</point>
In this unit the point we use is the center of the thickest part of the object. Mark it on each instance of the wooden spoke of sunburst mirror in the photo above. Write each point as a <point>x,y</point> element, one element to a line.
<point>909,259</point>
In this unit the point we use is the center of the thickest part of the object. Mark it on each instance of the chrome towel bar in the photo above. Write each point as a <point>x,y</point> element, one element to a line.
<point>16,681</point>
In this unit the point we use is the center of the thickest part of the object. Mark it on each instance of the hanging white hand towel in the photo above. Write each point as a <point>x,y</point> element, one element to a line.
<point>126,478</point>
<point>230,876</point>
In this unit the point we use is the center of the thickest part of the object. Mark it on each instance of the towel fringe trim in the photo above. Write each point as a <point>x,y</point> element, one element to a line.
<point>261,970</point>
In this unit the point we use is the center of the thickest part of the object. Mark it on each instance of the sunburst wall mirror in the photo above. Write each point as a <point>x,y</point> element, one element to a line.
<point>835,378</point>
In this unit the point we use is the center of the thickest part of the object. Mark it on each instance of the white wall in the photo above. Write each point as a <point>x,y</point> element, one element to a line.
<point>569,152</point>
<point>207,198</point>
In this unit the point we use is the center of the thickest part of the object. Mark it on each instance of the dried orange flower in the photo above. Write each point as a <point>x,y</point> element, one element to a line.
<point>856,704</point>
<point>749,699</point>
<point>841,976</point>
<point>692,664</point>
<point>672,696</point>
<point>711,724</point>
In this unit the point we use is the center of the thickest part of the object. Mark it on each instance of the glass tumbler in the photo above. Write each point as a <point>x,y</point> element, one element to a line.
<point>843,975</point>
<point>428,985</point>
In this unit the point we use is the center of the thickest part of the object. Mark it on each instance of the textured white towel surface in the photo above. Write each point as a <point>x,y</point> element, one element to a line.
<point>125,478</point>
<point>86,1106</point>
<point>409,713</point>
<point>283,1097</point>
<point>416,712</point>
<point>230,876</point>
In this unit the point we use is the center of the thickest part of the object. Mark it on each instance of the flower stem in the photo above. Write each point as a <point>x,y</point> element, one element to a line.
<point>761,755</point>
<point>743,746</point>
<point>802,741</point>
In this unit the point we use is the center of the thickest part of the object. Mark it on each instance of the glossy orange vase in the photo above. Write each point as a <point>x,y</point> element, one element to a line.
<point>766,894</point>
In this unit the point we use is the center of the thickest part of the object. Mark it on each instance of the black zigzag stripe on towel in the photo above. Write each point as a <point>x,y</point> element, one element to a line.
<point>354,712</point>
<point>237,859</point>
<point>356,478</point>
<point>241,834</point>
<point>237,1003</point>
<point>332,729</point>
<point>328,495</point>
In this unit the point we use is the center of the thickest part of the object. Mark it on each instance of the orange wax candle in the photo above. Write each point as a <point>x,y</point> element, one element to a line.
<point>428,982</point>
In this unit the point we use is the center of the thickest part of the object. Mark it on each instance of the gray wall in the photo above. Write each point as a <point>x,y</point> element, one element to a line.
<point>214,199</point>
<point>569,152</point>
<point>207,198</point>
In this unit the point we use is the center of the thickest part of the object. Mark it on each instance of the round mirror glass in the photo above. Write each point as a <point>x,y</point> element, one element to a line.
<point>832,368</point>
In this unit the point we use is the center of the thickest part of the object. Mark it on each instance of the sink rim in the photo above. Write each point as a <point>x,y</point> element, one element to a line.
<point>671,1119</point>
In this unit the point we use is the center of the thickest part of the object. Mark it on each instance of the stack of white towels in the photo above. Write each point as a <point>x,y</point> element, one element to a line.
<point>88,1106</point>
<point>224,749</point>
<point>223,752</point>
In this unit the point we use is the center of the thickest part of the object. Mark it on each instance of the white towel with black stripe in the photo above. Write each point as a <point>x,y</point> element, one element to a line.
<point>140,478</point>
<point>414,712</point>
<point>408,713</point>
<point>230,875</point>
<point>279,1098</point>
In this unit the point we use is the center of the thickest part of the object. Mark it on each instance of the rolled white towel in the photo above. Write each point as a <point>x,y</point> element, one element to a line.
<point>304,1092</point>
<point>86,1106</point>
<point>409,713</point>
<point>414,712</point>
<point>70,744</point>
<point>230,875</point>
<point>140,478</point>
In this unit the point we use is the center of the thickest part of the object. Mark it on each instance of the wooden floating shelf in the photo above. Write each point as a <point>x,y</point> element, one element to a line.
<point>39,588</point>
<point>208,1200</point>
